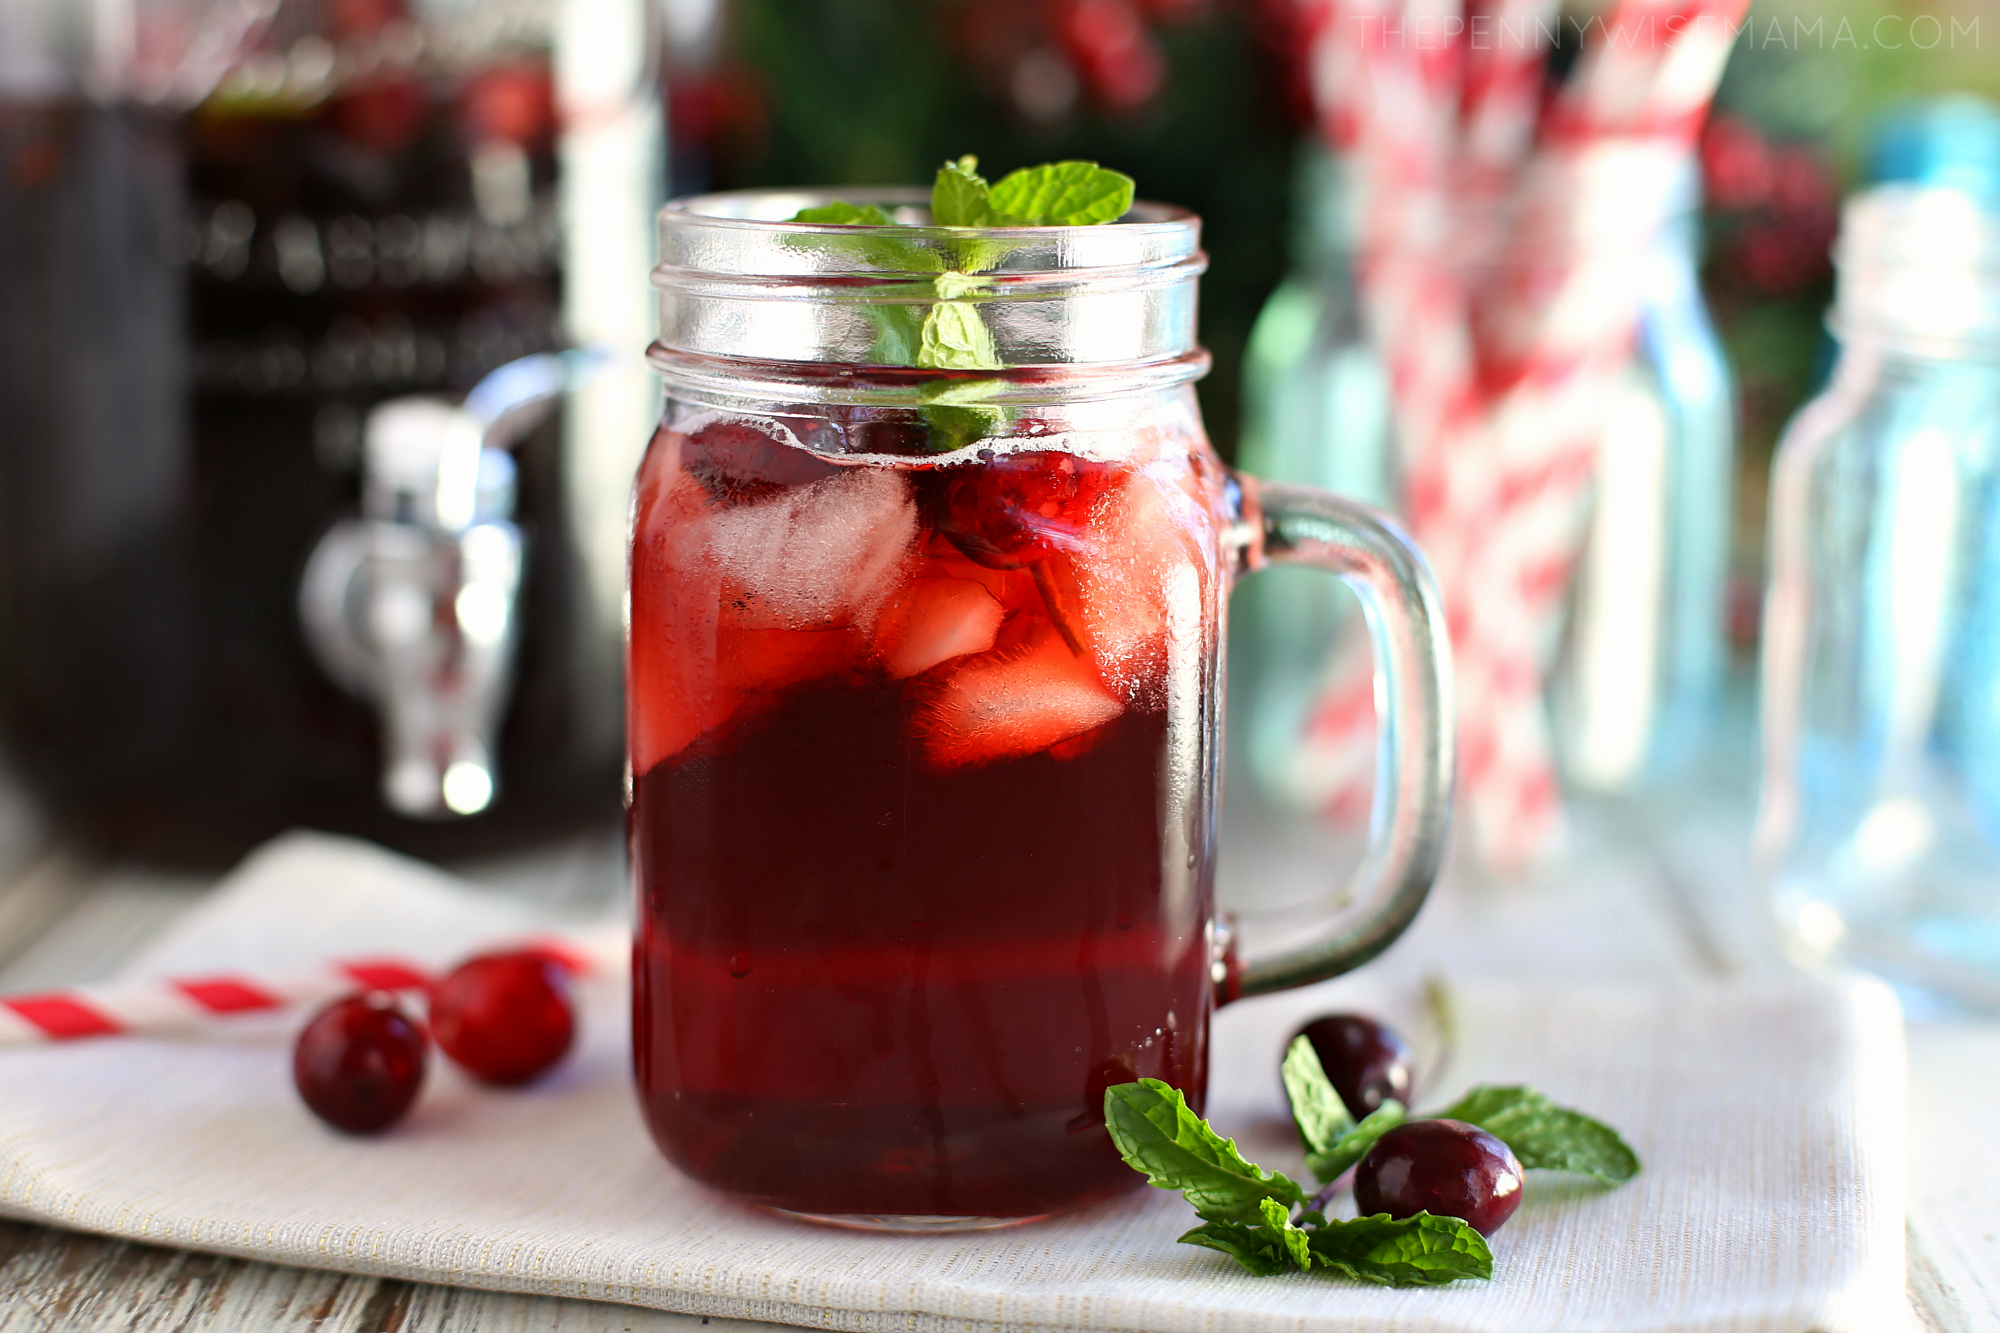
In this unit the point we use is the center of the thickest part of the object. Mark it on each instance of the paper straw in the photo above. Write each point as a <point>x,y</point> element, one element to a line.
<point>1501,391</point>
<point>1506,46</point>
<point>189,1003</point>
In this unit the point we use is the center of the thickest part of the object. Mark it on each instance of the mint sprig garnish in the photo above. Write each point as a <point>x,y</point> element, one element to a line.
<point>952,334</point>
<point>960,196</point>
<point>1264,1220</point>
<point>1542,1134</point>
<point>1247,1212</point>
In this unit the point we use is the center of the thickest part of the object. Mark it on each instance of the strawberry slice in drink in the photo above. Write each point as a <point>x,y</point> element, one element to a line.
<point>1023,697</point>
<point>933,620</point>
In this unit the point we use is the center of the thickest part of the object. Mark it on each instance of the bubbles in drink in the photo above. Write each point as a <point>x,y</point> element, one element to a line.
<point>817,556</point>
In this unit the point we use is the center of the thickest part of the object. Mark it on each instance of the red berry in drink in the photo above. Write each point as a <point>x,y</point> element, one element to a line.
<point>1018,508</point>
<point>1366,1062</point>
<point>1445,1167</point>
<point>360,1062</point>
<point>737,463</point>
<point>505,1017</point>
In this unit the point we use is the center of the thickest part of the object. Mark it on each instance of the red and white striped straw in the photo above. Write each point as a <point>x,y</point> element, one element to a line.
<point>1507,43</point>
<point>1500,392</point>
<point>183,1004</point>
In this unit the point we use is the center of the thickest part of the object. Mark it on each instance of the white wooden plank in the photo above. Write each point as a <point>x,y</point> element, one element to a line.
<point>1955,1174</point>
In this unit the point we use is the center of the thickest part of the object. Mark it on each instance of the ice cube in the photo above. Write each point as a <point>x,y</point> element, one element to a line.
<point>1017,700</point>
<point>819,556</point>
<point>1142,539</point>
<point>672,695</point>
<point>934,620</point>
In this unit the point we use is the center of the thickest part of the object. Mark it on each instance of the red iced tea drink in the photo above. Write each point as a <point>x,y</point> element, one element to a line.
<point>923,763</point>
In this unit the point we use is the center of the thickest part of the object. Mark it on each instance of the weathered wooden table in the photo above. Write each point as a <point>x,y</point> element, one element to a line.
<point>1660,889</point>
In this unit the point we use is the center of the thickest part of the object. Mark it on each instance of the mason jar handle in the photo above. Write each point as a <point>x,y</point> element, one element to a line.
<point>1413,700</point>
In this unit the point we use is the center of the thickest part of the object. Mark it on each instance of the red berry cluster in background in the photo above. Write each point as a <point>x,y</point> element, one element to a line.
<point>1775,205</point>
<point>503,1017</point>
<point>1048,56</point>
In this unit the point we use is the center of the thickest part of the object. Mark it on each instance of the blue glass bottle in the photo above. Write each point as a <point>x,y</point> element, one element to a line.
<point>1880,822</point>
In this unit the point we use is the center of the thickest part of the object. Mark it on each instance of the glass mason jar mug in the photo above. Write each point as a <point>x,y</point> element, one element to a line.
<point>924,707</point>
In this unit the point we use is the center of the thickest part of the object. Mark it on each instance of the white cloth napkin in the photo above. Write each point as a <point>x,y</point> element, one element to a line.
<point>1769,1117</point>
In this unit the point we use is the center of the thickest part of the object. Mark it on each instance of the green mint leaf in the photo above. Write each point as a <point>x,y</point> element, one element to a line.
<point>1545,1135</point>
<point>884,254</point>
<point>975,254</point>
<point>1175,1149</point>
<point>954,337</point>
<point>1278,1225</point>
<point>957,416</point>
<point>960,195</point>
<point>845,214</point>
<point>1317,1110</point>
<point>953,285</point>
<point>888,253</point>
<point>1061,194</point>
<point>953,426</point>
<point>1352,1146</point>
<point>1270,1246</point>
<point>1248,1245</point>
<point>1420,1251</point>
<point>899,331</point>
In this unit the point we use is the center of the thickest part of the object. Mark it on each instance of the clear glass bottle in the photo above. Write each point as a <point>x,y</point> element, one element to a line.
<point>1880,820</point>
<point>1317,412</point>
<point>1645,651</point>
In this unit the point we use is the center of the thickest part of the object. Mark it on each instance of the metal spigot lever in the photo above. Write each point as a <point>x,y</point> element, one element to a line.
<point>415,605</point>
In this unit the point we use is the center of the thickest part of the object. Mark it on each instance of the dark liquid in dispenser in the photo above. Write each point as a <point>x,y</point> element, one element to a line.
<point>239,287</point>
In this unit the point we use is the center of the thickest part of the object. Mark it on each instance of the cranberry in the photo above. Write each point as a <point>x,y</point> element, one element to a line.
<point>360,1062</point>
<point>735,462</point>
<point>1446,1167</point>
<point>1366,1062</point>
<point>1017,508</point>
<point>505,1017</point>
